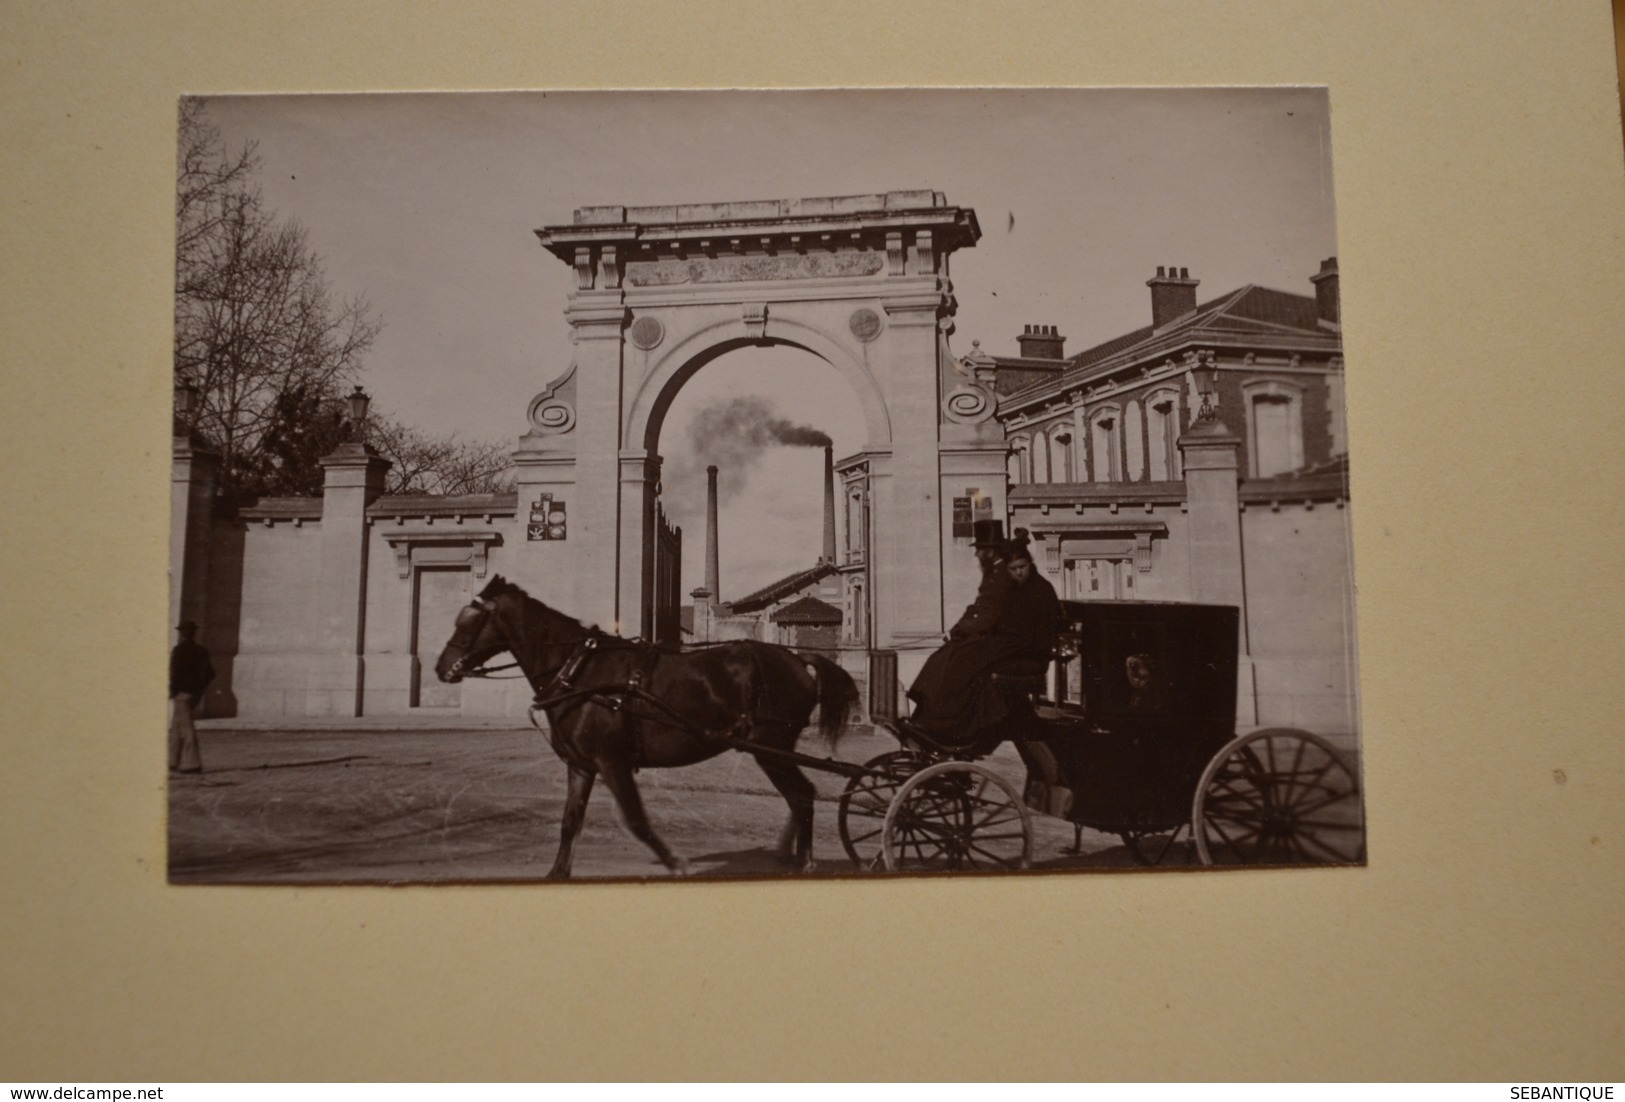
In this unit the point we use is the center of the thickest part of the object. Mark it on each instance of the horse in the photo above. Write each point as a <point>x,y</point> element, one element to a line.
<point>614,706</point>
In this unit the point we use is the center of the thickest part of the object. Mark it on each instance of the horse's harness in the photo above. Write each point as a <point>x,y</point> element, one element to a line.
<point>562,688</point>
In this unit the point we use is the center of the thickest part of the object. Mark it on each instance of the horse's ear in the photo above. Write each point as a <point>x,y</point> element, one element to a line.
<point>494,586</point>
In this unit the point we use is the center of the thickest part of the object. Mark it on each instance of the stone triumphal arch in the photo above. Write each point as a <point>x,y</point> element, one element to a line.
<point>860,281</point>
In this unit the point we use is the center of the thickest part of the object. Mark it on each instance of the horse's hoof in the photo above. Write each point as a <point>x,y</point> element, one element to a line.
<point>680,868</point>
<point>559,874</point>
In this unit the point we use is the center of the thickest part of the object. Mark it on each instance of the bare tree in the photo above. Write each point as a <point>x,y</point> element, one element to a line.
<point>424,464</point>
<point>256,328</point>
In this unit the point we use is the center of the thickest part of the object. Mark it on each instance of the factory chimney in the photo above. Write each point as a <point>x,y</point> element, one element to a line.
<point>829,504</point>
<point>712,574</point>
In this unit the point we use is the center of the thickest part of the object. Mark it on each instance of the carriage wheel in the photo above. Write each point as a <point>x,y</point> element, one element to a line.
<point>957,816</point>
<point>861,817</point>
<point>1278,797</point>
<point>1153,847</point>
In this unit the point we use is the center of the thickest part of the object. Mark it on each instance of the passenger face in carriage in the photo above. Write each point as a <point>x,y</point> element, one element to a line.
<point>1019,563</point>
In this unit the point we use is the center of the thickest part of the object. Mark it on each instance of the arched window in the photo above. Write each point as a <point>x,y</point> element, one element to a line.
<point>1106,433</point>
<point>1040,454</point>
<point>1162,434</point>
<point>1274,427</point>
<point>1060,454</point>
<point>1020,461</point>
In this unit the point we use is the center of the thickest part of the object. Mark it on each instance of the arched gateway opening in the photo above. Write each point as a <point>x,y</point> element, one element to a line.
<point>861,282</point>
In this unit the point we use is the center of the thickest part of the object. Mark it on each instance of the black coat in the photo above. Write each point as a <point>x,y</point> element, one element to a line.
<point>1009,629</point>
<point>189,668</point>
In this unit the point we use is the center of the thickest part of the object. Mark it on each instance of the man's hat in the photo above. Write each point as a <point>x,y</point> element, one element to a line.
<point>987,533</point>
<point>186,626</point>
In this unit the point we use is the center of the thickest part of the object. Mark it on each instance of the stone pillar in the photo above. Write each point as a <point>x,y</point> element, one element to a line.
<point>908,576</point>
<point>598,319</point>
<point>354,480</point>
<point>193,481</point>
<point>546,569</point>
<point>640,471</point>
<point>1209,451</point>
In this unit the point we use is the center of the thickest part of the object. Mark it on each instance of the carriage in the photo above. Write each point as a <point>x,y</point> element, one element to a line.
<point>1130,732</point>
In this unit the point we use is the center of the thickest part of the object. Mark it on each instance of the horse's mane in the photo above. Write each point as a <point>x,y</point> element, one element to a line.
<point>499,586</point>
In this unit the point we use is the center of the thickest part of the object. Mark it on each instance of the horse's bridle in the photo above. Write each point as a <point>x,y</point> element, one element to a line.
<point>480,608</point>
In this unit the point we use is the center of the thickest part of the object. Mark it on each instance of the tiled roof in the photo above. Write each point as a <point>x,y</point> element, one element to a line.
<point>808,610</point>
<point>782,588</point>
<point>1245,308</point>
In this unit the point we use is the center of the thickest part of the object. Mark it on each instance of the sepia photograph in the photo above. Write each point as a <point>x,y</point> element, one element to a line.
<point>742,484</point>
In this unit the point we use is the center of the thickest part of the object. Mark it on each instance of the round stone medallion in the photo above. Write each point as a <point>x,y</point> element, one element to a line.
<point>865,324</point>
<point>647,332</point>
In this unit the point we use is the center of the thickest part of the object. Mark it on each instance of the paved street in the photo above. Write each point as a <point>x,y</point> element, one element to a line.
<point>374,804</point>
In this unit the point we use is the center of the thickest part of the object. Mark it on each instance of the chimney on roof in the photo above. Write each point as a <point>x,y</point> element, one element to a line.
<point>829,504</point>
<point>1041,342</point>
<point>1326,295</point>
<point>1173,295</point>
<point>713,581</point>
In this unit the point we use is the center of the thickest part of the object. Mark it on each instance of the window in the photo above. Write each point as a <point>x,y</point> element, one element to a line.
<point>1106,430</point>
<point>1274,427</point>
<point>1099,579</point>
<point>1060,455</point>
<point>1040,457</point>
<point>1162,432</point>
<point>1020,462</point>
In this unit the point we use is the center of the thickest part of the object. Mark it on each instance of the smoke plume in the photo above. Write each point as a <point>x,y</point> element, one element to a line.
<point>734,434</point>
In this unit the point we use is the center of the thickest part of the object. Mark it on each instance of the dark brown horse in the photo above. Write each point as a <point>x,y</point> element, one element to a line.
<point>600,723</point>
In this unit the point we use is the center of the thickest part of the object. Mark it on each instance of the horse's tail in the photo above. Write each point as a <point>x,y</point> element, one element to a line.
<point>837,695</point>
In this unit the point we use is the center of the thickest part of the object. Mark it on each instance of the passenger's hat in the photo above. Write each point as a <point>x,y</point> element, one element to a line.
<point>187,626</point>
<point>987,533</point>
<point>1018,547</point>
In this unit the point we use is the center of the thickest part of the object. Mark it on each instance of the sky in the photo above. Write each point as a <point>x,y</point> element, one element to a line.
<point>427,205</point>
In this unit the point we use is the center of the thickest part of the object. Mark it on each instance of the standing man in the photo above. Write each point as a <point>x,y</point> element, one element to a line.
<point>189,675</point>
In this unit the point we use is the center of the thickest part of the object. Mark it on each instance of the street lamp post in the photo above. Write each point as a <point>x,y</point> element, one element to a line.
<point>358,402</point>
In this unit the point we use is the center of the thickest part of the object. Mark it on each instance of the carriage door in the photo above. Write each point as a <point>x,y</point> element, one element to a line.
<point>439,594</point>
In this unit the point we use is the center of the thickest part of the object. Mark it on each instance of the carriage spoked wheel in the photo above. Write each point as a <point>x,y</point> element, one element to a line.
<point>1156,847</point>
<point>957,815</point>
<point>861,817</point>
<point>1278,797</point>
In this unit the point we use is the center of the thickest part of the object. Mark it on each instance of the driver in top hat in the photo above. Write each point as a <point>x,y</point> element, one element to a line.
<point>954,696</point>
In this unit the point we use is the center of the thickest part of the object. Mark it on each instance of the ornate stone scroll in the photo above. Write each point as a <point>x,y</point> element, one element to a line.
<point>553,410</point>
<point>968,404</point>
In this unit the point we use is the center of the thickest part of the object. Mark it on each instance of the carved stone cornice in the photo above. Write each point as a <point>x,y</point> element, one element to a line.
<point>903,233</point>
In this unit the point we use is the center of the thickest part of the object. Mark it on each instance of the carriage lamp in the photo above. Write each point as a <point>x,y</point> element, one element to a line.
<point>358,402</point>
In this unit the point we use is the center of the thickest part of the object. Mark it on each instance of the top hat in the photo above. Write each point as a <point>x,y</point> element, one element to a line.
<point>987,533</point>
<point>187,626</point>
